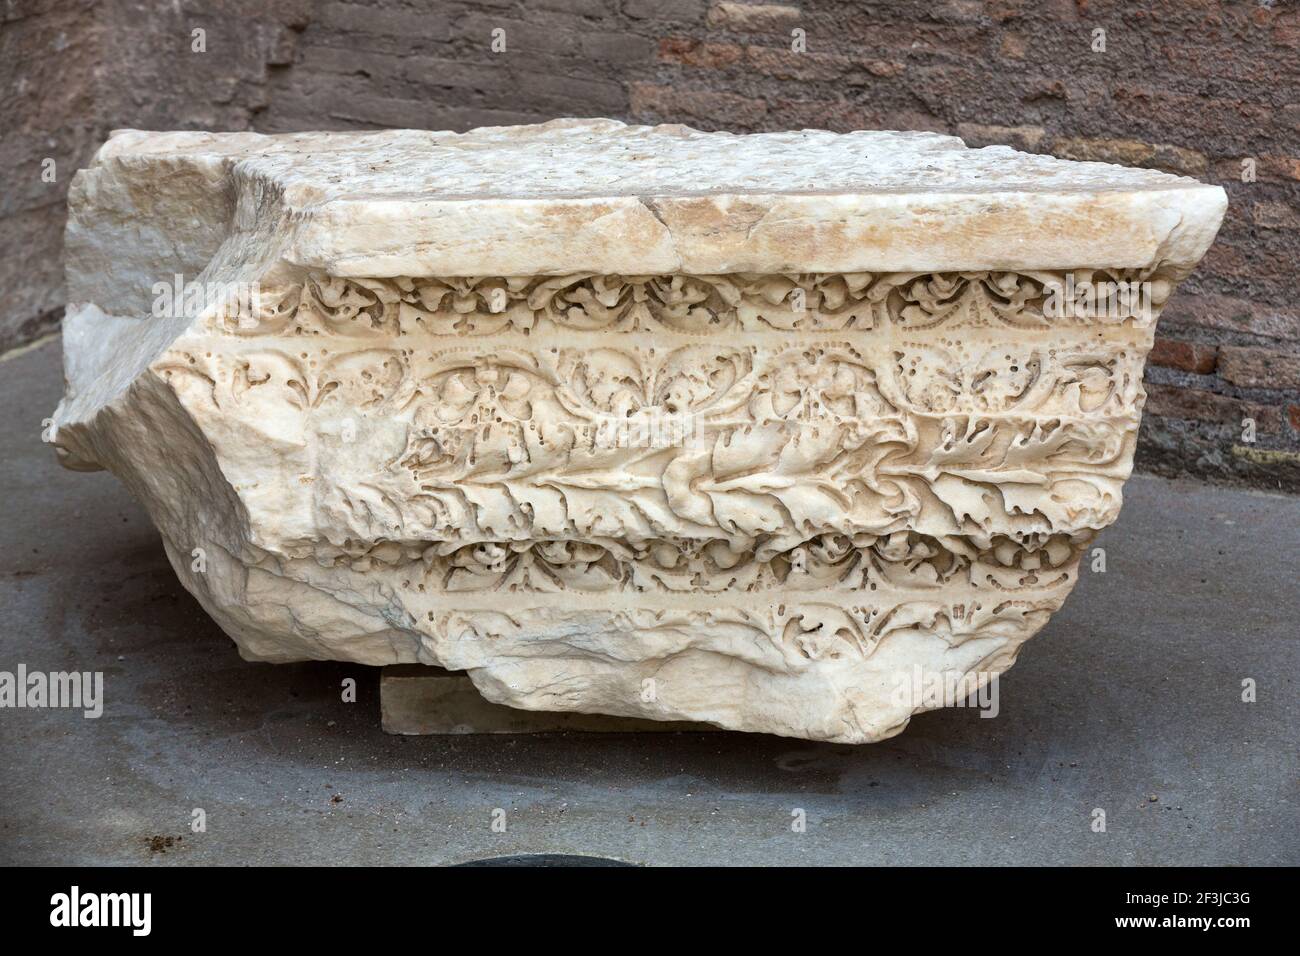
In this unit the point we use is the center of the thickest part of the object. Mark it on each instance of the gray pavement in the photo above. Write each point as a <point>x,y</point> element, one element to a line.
<point>1133,691</point>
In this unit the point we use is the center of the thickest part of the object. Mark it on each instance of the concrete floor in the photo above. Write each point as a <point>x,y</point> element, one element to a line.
<point>1133,691</point>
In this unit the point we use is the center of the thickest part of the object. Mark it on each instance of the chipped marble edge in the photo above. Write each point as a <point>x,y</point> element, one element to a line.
<point>1158,221</point>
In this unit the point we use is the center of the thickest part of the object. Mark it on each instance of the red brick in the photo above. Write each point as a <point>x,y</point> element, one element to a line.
<point>837,115</point>
<point>787,65</point>
<point>1186,356</point>
<point>724,110</point>
<point>1279,167</point>
<point>689,52</point>
<point>1285,169</point>
<point>1259,368</point>
<point>1275,215</point>
<point>1196,404</point>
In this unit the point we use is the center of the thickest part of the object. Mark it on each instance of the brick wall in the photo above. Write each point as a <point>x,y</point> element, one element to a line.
<point>1190,86</point>
<point>47,113</point>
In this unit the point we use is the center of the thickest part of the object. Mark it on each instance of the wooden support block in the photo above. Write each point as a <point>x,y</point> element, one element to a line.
<point>415,699</point>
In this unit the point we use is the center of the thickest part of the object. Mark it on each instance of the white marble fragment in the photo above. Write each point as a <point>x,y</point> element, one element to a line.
<point>769,431</point>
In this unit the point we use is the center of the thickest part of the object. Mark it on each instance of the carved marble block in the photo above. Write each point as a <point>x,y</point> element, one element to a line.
<point>750,430</point>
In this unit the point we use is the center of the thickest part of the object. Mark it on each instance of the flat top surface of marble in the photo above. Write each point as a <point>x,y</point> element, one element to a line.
<point>579,158</point>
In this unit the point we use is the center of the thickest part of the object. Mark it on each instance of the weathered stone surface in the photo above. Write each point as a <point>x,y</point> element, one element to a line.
<point>761,431</point>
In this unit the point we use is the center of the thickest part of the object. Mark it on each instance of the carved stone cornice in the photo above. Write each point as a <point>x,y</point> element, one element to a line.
<point>769,494</point>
